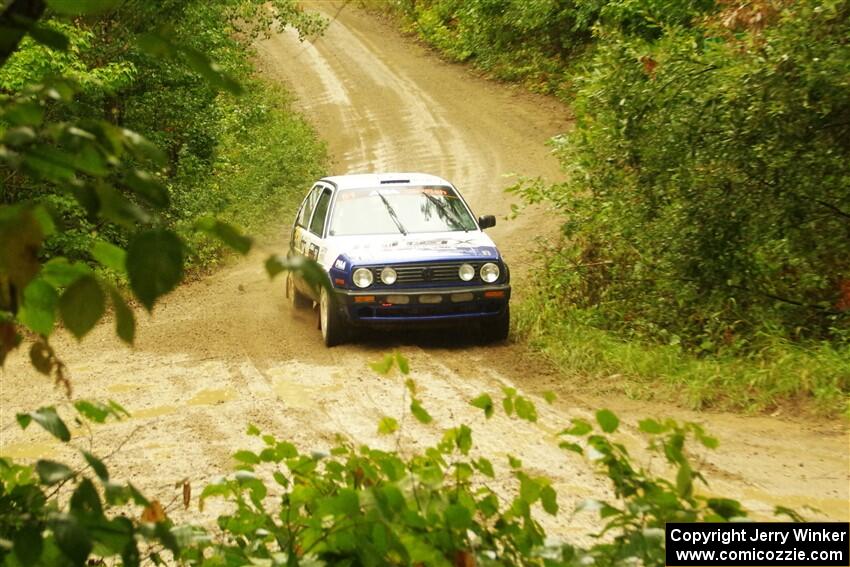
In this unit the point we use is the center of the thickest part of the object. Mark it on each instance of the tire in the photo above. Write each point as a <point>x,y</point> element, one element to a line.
<point>334,327</point>
<point>297,299</point>
<point>498,329</point>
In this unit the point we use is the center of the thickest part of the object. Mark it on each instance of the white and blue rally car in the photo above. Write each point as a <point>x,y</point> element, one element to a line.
<point>398,249</point>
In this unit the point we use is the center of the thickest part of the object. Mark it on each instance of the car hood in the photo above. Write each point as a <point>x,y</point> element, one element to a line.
<point>413,248</point>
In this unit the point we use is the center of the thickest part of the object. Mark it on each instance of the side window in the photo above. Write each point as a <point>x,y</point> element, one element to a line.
<point>317,225</point>
<point>308,206</point>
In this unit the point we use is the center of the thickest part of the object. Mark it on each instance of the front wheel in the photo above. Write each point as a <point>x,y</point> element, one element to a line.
<point>334,326</point>
<point>497,329</point>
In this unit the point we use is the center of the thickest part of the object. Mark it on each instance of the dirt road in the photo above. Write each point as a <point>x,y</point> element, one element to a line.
<point>226,350</point>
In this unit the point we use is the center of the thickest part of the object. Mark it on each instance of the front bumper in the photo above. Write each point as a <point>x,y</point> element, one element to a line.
<point>438,304</point>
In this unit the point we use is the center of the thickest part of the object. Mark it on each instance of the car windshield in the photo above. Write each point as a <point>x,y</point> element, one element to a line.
<point>399,210</point>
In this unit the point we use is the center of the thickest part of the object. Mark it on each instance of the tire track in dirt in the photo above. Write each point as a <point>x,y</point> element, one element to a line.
<point>227,350</point>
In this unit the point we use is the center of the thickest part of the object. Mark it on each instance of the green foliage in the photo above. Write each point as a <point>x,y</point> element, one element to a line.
<point>365,506</point>
<point>34,61</point>
<point>360,505</point>
<point>647,502</point>
<point>266,156</point>
<point>154,264</point>
<point>522,40</point>
<point>386,364</point>
<point>226,233</point>
<point>49,420</point>
<point>809,378</point>
<point>120,146</point>
<point>708,192</point>
<point>484,402</point>
<point>707,200</point>
<point>706,207</point>
<point>53,513</point>
<point>82,305</point>
<point>82,185</point>
<point>536,41</point>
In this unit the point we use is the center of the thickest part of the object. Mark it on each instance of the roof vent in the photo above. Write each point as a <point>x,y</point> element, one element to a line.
<point>391,181</point>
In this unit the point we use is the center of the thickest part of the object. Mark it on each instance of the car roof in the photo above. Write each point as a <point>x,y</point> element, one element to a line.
<point>367,180</point>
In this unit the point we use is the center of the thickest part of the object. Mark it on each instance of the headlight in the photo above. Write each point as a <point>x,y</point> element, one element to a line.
<point>362,277</point>
<point>388,276</point>
<point>466,272</point>
<point>490,272</point>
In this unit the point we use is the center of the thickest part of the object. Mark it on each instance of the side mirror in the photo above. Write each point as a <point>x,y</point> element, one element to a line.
<point>486,221</point>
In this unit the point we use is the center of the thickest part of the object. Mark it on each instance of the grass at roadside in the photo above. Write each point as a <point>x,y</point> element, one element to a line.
<point>811,380</point>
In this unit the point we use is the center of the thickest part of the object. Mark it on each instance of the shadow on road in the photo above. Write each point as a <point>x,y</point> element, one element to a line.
<point>451,338</point>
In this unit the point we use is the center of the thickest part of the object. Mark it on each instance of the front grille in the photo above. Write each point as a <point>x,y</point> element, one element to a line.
<point>428,273</point>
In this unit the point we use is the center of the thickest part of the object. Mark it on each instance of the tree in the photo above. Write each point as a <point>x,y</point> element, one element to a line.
<point>71,163</point>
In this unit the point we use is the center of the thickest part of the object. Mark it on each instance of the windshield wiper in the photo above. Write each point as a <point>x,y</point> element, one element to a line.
<point>450,215</point>
<point>393,216</point>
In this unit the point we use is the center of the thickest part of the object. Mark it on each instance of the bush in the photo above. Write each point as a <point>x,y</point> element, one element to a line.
<point>357,505</point>
<point>707,207</point>
<point>266,154</point>
<point>516,40</point>
<point>88,202</point>
<point>710,182</point>
<point>121,72</point>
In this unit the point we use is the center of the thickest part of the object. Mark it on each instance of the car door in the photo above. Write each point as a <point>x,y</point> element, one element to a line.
<point>302,221</point>
<point>308,236</point>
